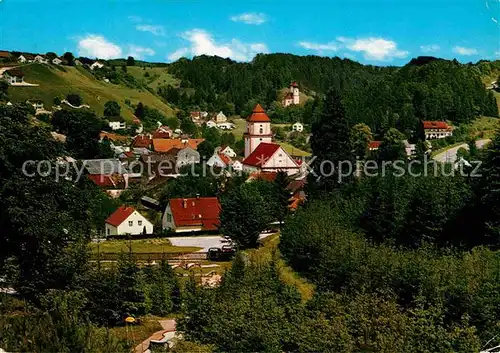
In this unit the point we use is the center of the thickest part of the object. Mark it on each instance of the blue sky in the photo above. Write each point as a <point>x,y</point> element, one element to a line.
<point>377,32</point>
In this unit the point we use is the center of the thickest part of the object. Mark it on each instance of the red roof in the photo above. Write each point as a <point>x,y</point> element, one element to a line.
<point>374,145</point>
<point>203,211</point>
<point>101,180</point>
<point>224,158</point>
<point>436,125</point>
<point>120,215</point>
<point>141,141</point>
<point>261,154</point>
<point>258,115</point>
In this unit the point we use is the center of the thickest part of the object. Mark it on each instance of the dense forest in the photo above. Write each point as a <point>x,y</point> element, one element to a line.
<point>381,97</point>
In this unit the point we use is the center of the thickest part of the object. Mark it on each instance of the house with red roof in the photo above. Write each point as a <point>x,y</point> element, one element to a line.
<point>374,145</point>
<point>219,160</point>
<point>198,214</point>
<point>436,129</point>
<point>126,220</point>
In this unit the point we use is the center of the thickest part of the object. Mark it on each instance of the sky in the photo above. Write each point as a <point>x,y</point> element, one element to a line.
<point>376,32</point>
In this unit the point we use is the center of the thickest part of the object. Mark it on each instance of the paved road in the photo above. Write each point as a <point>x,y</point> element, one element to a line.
<point>204,242</point>
<point>450,155</point>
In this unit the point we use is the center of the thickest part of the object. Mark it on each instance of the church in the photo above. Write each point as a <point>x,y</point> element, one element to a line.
<point>293,95</point>
<point>261,154</point>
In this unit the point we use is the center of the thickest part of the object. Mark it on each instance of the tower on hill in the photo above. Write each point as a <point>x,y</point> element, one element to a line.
<point>293,95</point>
<point>258,129</point>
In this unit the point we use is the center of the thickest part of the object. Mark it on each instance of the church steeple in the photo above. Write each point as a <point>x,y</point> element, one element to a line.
<point>258,129</point>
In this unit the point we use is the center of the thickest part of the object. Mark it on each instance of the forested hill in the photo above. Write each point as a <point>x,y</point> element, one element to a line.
<point>382,97</point>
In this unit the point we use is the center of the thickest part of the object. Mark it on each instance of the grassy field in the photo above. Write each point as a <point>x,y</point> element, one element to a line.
<point>485,127</point>
<point>59,81</point>
<point>136,334</point>
<point>294,151</point>
<point>158,76</point>
<point>159,246</point>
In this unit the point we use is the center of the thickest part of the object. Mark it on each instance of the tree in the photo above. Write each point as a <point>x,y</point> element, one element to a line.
<point>130,61</point>
<point>246,212</point>
<point>188,127</point>
<point>139,111</point>
<point>281,195</point>
<point>74,99</point>
<point>4,87</point>
<point>50,56</point>
<point>462,153</point>
<point>70,59</point>
<point>361,136</point>
<point>206,149</point>
<point>111,109</point>
<point>57,101</point>
<point>173,123</point>
<point>331,142</point>
<point>392,147</point>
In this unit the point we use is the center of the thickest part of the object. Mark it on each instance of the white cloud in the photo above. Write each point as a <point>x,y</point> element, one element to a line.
<point>432,48</point>
<point>464,51</point>
<point>140,52</point>
<point>153,29</point>
<point>202,42</point>
<point>250,18</point>
<point>96,46</point>
<point>375,48</point>
<point>179,53</point>
<point>331,46</point>
<point>379,49</point>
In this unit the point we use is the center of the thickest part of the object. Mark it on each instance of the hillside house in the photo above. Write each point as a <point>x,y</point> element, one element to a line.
<point>40,59</point>
<point>126,220</point>
<point>292,97</point>
<point>25,58</point>
<point>117,123</point>
<point>57,61</point>
<point>298,127</point>
<point>220,118</point>
<point>96,65</point>
<point>219,160</point>
<point>437,129</point>
<point>228,151</point>
<point>13,76</point>
<point>211,124</point>
<point>225,126</point>
<point>192,215</point>
<point>163,132</point>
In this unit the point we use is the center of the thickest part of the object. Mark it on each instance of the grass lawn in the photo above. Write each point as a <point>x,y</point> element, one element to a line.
<point>293,150</point>
<point>145,246</point>
<point>485,127</point>
<point>241,127</point>
<point>59,81</point>
<point>158,76</point>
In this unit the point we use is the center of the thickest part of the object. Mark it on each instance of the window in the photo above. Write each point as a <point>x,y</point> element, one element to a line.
<point>261,130</point>
<point>169,217</point>
<point>130,223</point>
<point>139,223</point>
<point>109,231</point>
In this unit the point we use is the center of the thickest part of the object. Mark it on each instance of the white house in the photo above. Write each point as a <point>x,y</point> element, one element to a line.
<point>211,123</point>
<point>237,165</point>
<point>220,118</point>
<point>14,76</point>
<point>436,129</point>
<point>225,126</point>
<point>228,151</point>
<point>57,61</point>
<point>96,65</point>
<point>126,220</point>
<point>40,59</point>
<point>298,127</point>
<point>117,123</point>
<point>219,160</point>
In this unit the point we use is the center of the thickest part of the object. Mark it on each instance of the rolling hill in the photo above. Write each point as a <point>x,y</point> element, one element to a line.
<point>58,81</point>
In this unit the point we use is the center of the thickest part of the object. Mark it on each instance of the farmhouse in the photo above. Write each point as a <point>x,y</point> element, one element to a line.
<point>126,220</point>
<point>14,76</point>
<point>436,129</point>
<point>192,214</point>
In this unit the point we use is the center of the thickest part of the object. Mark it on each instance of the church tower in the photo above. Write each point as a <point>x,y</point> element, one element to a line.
<point>294,89</point>
<point>258,130</point>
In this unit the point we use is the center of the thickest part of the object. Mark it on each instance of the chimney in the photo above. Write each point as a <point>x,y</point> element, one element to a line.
<point>184,203</point>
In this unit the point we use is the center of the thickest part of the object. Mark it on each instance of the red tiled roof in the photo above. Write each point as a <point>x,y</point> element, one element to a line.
<point>261,154</point>
<point>4,54</point>
<point>374,145</point>
<point>203,211</point>
<point>101,180</point>
<point>141,141</point>
<point>165,145</point>
<point>258,115</point>
<point>120,215</point>
<point>436,125</point>
<point>225,159</point>
<point>267,176</point>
